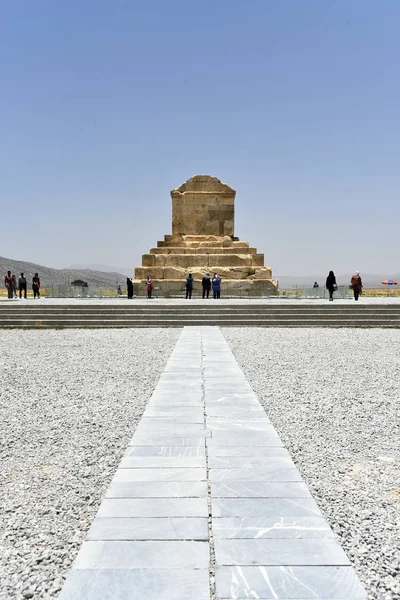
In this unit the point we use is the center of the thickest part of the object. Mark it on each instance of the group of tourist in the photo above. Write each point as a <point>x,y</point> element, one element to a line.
<point>11,284</point>
<point>207,284</point>
<point>355,284</point>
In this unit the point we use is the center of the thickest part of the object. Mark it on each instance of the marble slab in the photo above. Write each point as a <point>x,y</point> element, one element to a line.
<point>145,584</point>
<point>231,396</point>
<point>230,370</point>
<point>153,440</point>
<point>165,451</point>
<point>160,462</point>
<point>249,451</point>
<point>173,401</point>
<point>265,507</point>
<point>246,462</point>
<point>181,379</point>
<point>167,474</point>
<point>157,489</point>
<point>153,507</point>
<point>176,413</point>
<point>264,474</point>
<point>272,527</point>
<point>226,424</point>
<point>156,428</point>
<point>227,386</point>
<point>289,583</point>
<point>197,430</point>
<point>279,552</point>
<point>260,489</point>
<point>168,528</point>
<point>143,554</point>
<point>245,438</point>
<point>172,419</point>
<point>233,411</point>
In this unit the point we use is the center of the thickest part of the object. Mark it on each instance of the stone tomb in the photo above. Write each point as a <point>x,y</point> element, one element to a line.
<point>203,241</point>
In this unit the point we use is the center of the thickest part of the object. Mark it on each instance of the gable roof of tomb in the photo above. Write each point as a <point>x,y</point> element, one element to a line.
<point>203,184</point>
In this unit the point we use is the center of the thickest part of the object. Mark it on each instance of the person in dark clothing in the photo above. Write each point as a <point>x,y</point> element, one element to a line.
<point>206,285</point>
<point>216,286</point>
<point>315,284</point>
<point>8,283</point>
<point>189,286</point>
<point>331,284</point>
<point>36,285</point>
<point>356,284</point>
<point>129,288</point>
<point>22,285</point>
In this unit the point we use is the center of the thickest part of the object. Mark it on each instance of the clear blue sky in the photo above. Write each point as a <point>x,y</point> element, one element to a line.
<point>107,106</point>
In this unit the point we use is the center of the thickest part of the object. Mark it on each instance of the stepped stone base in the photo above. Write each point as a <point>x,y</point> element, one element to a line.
<point>240,267</point>
<point>229,288</point>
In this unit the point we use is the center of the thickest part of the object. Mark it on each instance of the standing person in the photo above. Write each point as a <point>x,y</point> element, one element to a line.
<point>189,286</point>
<point>119,290</point>
<point>129,288</point>
<point>216,286</point>
<point>14,284</point>
<point>22,285</point>
<point>36,285</point>
<point>356,284</point>
<point>8,284</point>
<point>149,286</point>
<point>331,284</point>
<point>206,285</point>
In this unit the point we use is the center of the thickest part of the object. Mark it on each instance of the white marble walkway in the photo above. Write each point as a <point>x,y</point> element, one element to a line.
<point>207,504</point>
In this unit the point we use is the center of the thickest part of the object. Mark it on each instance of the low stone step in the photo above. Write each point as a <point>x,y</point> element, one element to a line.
<point>177,322</point>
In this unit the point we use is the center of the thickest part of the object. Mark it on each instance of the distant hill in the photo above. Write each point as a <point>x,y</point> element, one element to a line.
<point>104,269</point>
<point>50,276</point>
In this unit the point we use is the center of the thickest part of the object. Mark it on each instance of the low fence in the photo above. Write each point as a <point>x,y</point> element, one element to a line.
<point>68,291</point>
<point>343,291</point>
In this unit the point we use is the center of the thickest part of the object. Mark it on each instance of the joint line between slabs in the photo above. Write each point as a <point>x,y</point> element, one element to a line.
<point>209,499</point>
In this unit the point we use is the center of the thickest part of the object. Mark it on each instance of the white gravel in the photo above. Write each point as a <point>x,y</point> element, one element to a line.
<point>333,396</point>
<point>69,403</point>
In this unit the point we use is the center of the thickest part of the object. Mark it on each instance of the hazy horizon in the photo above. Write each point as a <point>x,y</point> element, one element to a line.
<point>107,107</point>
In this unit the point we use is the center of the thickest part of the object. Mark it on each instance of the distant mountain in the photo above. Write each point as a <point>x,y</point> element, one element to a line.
<point>49,276</point>
<point>369,280</point>
<point>128,272</point>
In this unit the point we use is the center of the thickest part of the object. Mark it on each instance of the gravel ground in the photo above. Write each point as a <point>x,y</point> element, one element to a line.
<point>69,403</point>
<point>333,396</point>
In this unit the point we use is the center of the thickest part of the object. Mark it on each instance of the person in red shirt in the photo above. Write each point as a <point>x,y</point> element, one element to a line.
<point>8,283</point>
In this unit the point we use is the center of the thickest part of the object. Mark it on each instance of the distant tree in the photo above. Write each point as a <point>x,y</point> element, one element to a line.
<point>79,283</point>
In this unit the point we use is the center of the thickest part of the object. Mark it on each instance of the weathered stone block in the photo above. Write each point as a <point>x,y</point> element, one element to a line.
<point>187,261</point>
<point>154,272</point>
<point>232,272</point>
<point>258,260</point>
<point>203,205</point>
<point>148,260</point>
<point>230,260</point>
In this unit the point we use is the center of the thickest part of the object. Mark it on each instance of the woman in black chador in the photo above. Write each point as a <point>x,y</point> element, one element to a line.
<point>331,284</point>
<point>129,288</point>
